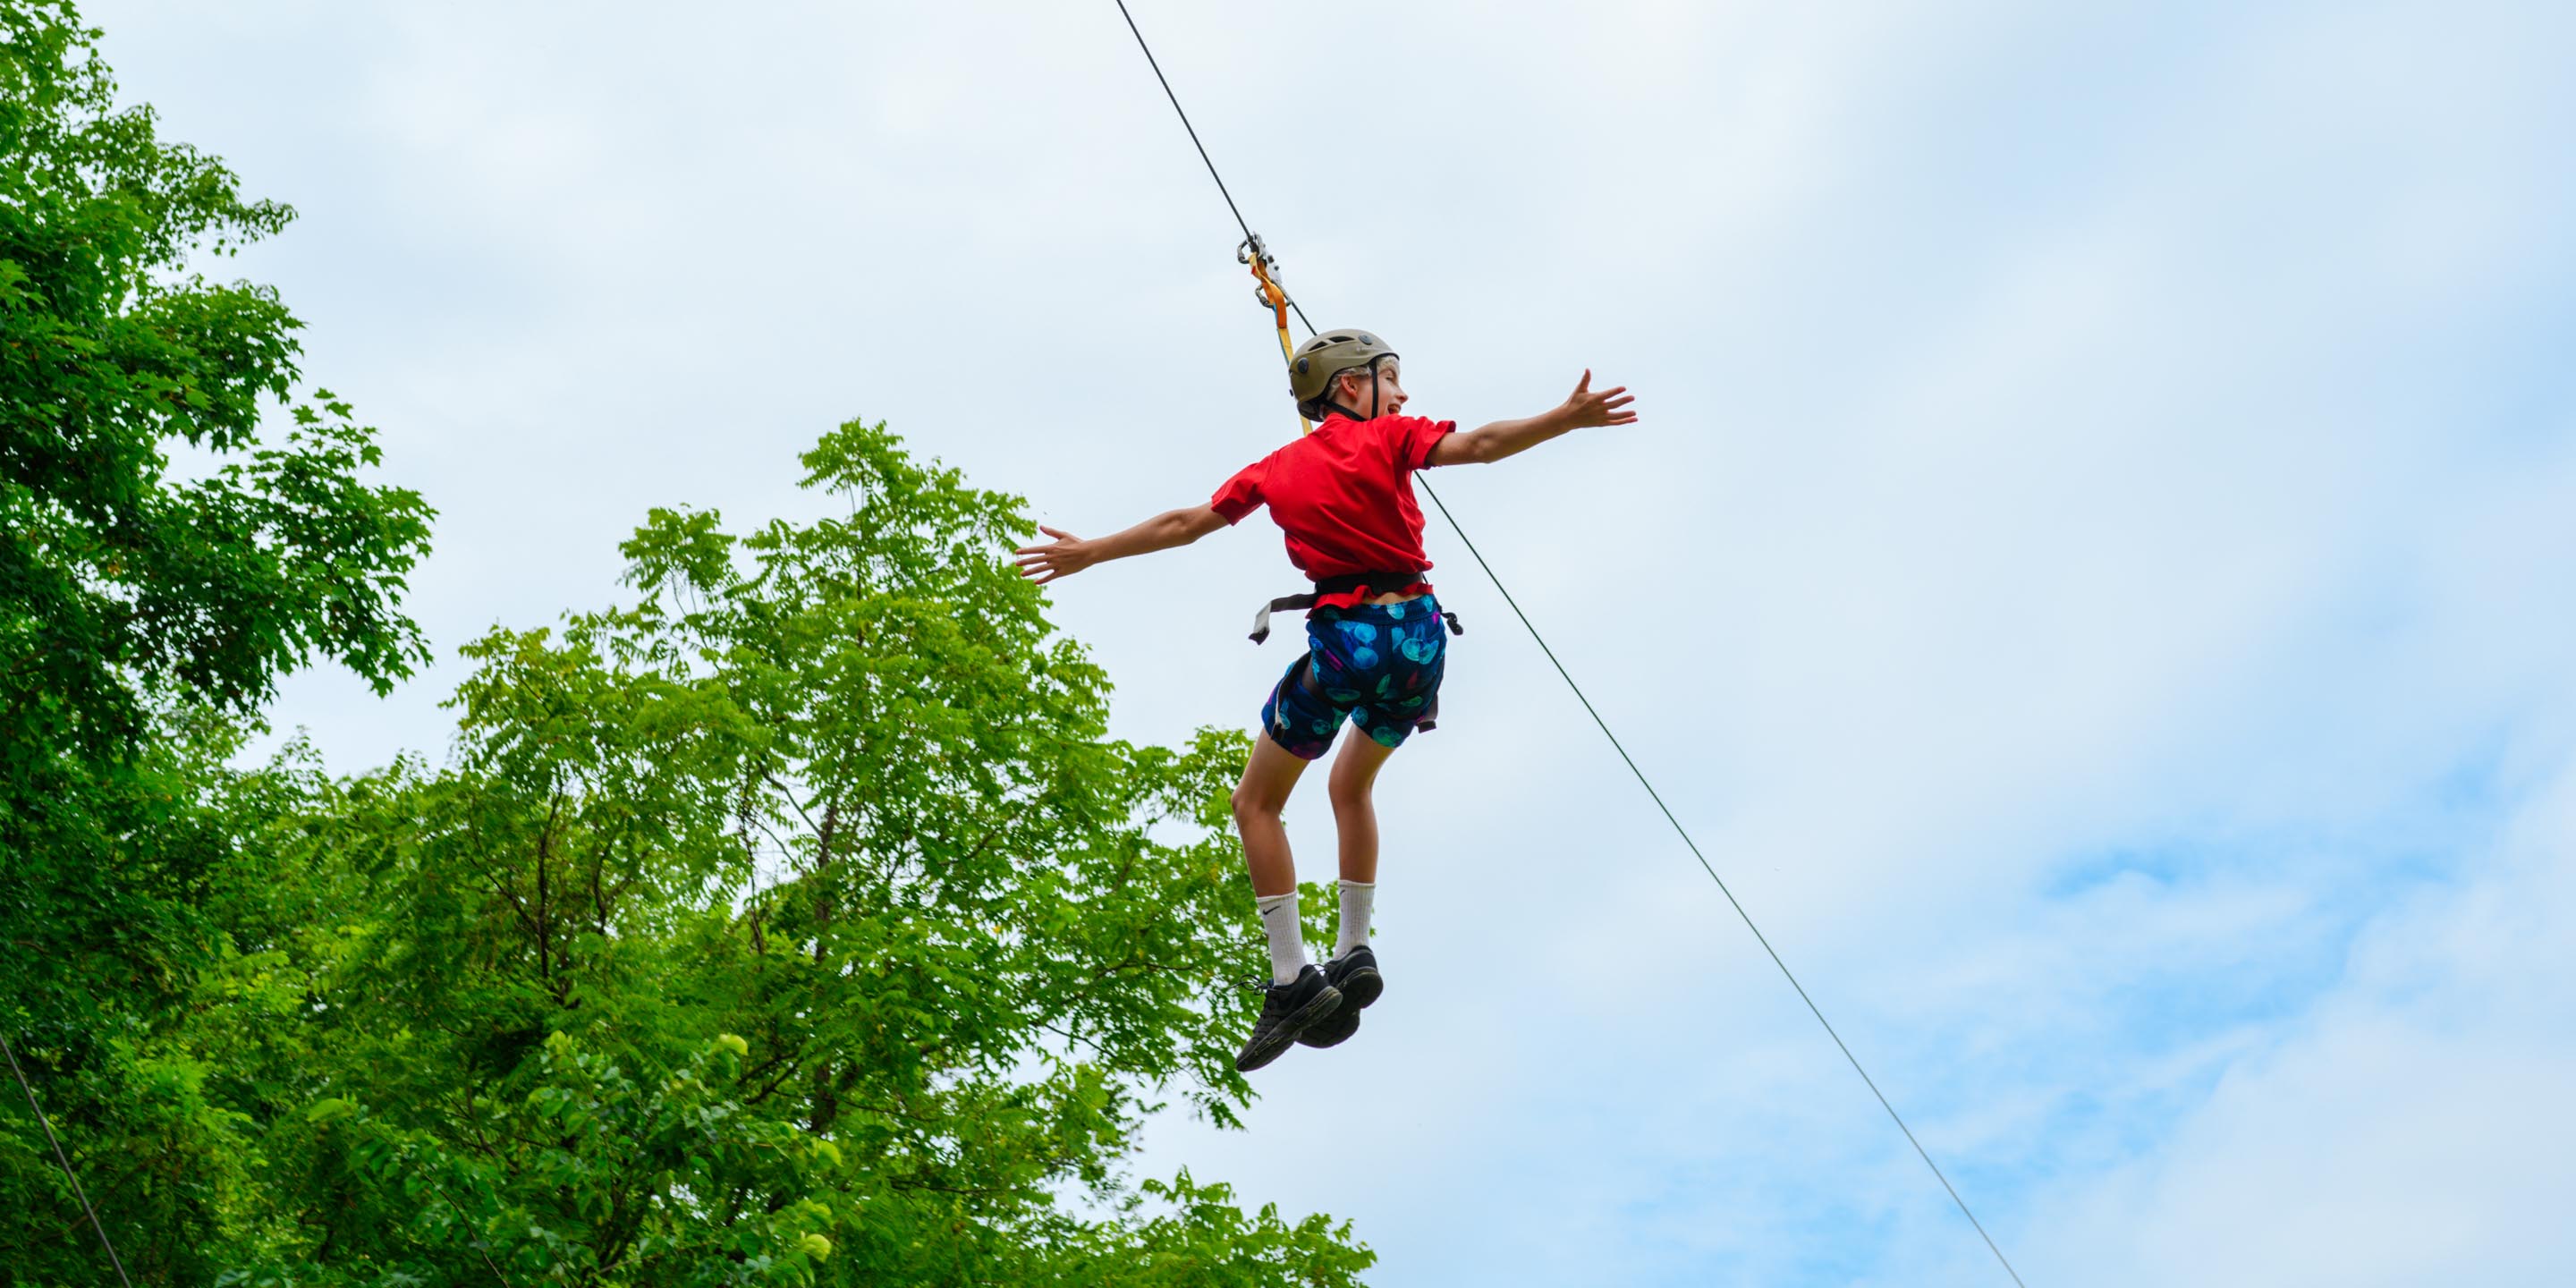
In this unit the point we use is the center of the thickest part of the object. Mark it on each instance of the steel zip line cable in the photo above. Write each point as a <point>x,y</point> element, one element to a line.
<point>1590,710</point>
<point>65,1160</point>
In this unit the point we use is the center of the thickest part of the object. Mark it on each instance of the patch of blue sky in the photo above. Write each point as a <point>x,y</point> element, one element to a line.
<point>2370,855</point>
<point>2036,115</point>
<point>1801,1222</point>
<point>1839,1243</point>
<point>2145,1044</point>
<point>2273,965</point>
<point>2232,936</point>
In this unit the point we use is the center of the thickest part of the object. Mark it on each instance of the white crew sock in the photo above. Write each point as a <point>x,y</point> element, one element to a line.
<point>1357,898</point>
<point>1287,935</point>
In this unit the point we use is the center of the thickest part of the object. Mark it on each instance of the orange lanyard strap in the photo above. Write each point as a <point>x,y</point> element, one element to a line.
<point>1268,294</point>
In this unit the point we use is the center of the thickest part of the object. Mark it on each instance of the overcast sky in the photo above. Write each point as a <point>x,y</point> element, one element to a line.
<point>2094,571</point>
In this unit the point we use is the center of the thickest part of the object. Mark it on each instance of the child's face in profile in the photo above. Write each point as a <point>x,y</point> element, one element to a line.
<point>1390,390</point>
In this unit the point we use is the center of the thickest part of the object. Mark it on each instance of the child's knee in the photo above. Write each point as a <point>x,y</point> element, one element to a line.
<point>1349,791</point>
<point>1251,804</point>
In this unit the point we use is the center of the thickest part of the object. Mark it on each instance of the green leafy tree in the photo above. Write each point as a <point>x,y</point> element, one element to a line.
<point>796,924</point>
<point>143,614</point>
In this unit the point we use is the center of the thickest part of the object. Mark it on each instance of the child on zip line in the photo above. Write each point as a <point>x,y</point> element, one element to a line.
<point>1375,648</point>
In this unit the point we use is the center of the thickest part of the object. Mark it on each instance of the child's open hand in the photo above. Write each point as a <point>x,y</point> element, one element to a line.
<point>1067,555</point>
<point>1585,409</point>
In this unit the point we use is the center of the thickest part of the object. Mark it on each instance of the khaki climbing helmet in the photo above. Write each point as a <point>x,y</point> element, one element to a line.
<point>1329,354</point>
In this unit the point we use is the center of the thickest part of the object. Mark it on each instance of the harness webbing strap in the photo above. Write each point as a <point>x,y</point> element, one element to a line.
<point>1285,603</point>
<point>1383,581</point>
<point>1342,583</point>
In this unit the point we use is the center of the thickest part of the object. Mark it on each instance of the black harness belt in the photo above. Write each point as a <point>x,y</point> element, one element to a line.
<point>1382,582</point>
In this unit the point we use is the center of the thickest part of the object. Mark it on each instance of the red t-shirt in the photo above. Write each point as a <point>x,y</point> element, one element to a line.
<point>1344,496</point>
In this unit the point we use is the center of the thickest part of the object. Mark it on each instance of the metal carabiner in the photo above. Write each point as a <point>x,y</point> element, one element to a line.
<point>1266,292</point>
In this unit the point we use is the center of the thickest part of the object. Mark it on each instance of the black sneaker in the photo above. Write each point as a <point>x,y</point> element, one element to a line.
<point>1286,1011</point>
<point>1333,1030</point>
<point>1355,974</point>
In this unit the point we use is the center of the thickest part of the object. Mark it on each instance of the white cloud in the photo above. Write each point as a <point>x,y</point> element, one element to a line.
<point>2410,1128</point>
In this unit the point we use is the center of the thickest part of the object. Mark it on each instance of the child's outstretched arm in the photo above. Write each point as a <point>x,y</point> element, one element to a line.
<point>1069,554</point>
<point>1582,409</point>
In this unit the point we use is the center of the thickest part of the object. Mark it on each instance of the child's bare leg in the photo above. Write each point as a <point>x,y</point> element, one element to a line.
<point>1267,779</point>
<point>1355,819</point>
<point>1354,808</point>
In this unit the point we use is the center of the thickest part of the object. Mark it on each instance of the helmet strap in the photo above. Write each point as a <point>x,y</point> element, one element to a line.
<point>1371,369</point>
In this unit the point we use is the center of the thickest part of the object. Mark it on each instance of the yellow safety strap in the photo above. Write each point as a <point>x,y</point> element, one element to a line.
<point>1277,300</point>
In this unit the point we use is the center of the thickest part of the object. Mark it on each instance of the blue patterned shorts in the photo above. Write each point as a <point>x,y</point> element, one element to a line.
<point>1376,665</point>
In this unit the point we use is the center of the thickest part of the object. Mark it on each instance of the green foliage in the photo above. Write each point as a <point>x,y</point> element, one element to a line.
<point>118,582</point>
<point>143,614</point>
<point>795,924</point>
